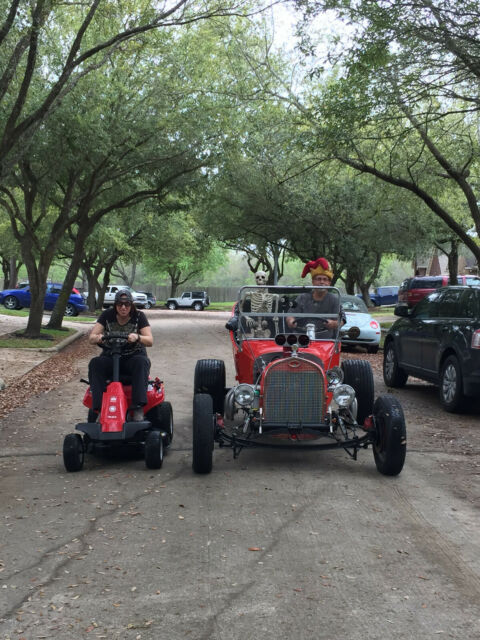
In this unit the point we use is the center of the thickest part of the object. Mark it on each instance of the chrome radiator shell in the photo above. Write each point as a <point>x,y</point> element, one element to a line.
<point>293,393</point>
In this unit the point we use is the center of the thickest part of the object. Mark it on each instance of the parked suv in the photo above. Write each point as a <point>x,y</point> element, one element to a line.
<point>412,290</point>
<point>197,300</point>
<point>151,299</point>
<point>439,341</point>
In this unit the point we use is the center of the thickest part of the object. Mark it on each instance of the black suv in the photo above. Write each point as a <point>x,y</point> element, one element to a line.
<point>439,341</point>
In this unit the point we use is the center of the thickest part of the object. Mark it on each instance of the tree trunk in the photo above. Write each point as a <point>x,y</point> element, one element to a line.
<point>58,312</point>
<point>453,263</point>
<point>350,284</point>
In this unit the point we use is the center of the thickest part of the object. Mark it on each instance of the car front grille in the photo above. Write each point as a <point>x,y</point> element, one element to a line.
<point>294,393</point>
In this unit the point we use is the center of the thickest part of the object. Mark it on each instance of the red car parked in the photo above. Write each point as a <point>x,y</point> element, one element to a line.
<point>412,290</point>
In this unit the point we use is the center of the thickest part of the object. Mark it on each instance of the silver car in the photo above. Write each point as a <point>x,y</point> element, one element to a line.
<point>358,315</point>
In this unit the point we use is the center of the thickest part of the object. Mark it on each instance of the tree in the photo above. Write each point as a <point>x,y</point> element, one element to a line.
<point>180,249</point>
<point>48,47</point>
<point>403,106</point>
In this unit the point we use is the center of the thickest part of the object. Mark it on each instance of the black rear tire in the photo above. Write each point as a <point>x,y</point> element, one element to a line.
<point>358,374</point>
<point>393,375</point>
<point>73,452</point>
<point>390,446</point>
<point>161,418</point>
<point>210,378</point>
<point>203,433</point>
<point>198,306</point>
<point>451,385</point>
<point>153,450</point>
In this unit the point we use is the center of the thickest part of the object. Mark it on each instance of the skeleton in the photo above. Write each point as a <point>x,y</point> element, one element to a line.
<point>262,301</point>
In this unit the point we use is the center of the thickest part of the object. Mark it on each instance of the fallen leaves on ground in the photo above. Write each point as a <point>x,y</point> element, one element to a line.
<point>47,375</point>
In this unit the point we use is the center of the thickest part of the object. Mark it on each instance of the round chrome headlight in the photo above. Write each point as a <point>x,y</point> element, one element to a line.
<point>244,395</point>
<point>334,375</point>
<point>344,395</point>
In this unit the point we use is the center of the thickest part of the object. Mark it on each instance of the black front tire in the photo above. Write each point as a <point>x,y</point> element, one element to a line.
<point>203,433</point>
<point>393,375</point>
<point>358,374</point>
<point>161,418</point>
<point>390,446</point>
<point>153,450</point>
<point>73,452</point>
<point>172,306</point>
<point>451,385</point>
<point>210,378</point>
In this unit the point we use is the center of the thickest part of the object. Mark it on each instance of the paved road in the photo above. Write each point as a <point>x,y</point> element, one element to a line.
<point>272,545</point>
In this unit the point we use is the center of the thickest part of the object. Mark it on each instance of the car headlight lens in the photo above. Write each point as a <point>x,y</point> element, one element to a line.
<point>244,395</point>
<point>334,376</point>
<point>344,395</point>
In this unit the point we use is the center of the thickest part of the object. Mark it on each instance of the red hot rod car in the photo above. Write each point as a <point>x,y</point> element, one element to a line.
<point>292,390</point>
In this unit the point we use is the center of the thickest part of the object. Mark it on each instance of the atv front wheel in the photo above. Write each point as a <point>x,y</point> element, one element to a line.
<point>73,452</point>
<point>203,433</point>
<point>154,450</point>
<point>161,417</point>
<point>390,446</point>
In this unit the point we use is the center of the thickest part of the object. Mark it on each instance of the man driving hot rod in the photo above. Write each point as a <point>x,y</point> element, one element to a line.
<point>319,301</point>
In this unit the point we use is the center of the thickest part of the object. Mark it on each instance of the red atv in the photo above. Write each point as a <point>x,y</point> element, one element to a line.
<point>292,391</point>
<point>112,426</point>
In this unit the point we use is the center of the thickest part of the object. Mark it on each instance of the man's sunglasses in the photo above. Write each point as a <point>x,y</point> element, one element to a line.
<point>124,304</point>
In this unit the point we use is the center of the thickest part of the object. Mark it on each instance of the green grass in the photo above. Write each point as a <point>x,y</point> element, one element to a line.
<point>23,313</point>
<point>51,339</point>
<point>16,312</point>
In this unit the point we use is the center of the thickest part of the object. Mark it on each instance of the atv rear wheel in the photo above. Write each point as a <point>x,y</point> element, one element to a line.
<point>73,452</point>
<point>390,446</point>
<point>154,450</point>
<point>210,378</point>
<point>203,433</point>
<point>358,374</point>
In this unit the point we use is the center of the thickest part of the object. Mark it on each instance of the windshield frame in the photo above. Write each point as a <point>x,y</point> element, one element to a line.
<point>277,317</point>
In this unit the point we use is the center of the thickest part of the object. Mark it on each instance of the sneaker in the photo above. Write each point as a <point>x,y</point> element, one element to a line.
<point>137,415</point>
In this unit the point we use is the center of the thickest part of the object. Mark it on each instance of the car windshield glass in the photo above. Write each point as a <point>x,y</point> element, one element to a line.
<point>265,312</point>
<point>353,304</point>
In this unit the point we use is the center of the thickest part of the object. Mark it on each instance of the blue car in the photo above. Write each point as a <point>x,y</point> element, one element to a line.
<point>18,298</point>
<point>383,296</point>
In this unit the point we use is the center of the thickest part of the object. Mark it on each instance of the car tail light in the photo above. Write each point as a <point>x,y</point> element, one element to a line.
<point>476,339</point>
<point>374,324</point>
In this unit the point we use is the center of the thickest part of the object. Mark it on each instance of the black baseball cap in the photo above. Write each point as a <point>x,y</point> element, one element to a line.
<point>123,295</point>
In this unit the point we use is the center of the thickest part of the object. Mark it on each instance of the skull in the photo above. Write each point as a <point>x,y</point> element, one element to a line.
<point>261,278</point>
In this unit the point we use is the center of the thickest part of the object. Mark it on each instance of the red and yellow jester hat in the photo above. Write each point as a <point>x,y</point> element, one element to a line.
<point>319,266</point>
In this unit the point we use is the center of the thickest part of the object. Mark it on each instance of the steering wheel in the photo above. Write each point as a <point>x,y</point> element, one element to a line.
<point>318,321</point>
<point>111,339</point>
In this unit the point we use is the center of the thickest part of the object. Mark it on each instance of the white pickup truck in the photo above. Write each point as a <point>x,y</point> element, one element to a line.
<point>140,299</point>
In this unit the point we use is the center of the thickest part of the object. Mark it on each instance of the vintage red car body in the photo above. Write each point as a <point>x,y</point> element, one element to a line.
<point>292,388</point>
